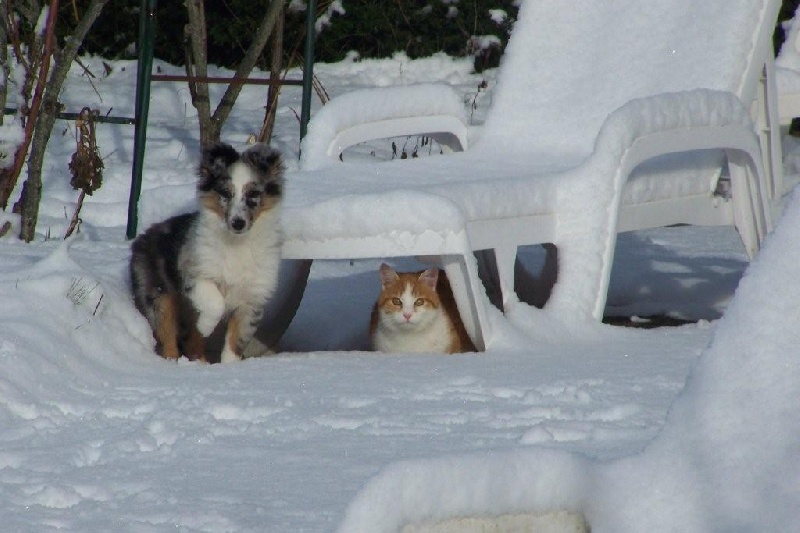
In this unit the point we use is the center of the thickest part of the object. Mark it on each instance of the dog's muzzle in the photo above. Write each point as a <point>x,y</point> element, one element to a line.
<point>238,224</point>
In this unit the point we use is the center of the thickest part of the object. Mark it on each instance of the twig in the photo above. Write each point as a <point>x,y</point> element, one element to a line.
<point>320,90</point>
<point>91,75</point>
<point>76,219</point>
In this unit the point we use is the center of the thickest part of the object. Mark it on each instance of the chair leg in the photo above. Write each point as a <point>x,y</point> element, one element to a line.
<point>582,287</point>
<point>506,256</point>
<point>487,271</point>
<point>471,300</point>
<point>768,125</point>
<point>281,308</point>
<point>750,214</point>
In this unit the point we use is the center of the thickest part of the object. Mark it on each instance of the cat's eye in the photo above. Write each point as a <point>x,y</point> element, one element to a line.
<point>397,301</point>
<point>419,301</point>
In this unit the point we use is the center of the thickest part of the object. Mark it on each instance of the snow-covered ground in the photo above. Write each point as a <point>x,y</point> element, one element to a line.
<point>97,433</point>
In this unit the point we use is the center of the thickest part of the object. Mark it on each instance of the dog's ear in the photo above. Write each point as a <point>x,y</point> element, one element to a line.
<point>268,164</point>
<point>263,159</point>
<point>215,159</point>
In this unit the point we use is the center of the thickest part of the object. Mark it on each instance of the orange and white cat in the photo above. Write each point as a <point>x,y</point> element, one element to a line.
<point>416,312</point>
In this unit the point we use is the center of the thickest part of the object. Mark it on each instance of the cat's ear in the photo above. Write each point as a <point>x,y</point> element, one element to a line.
<point>429,277</point>
<point>388,275</point>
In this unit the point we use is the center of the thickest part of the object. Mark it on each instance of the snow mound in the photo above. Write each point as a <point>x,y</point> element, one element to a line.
<point>734,400</point>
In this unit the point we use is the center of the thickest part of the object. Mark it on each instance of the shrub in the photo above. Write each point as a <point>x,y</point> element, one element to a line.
<point>372,29</point>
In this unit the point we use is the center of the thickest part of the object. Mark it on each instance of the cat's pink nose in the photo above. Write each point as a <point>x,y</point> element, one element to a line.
<point>407,316</point>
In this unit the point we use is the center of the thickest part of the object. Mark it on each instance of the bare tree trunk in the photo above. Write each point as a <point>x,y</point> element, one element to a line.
<point>197,66</point>
<point>276,66</point>
<point>28,204</point>
<point>248,63</point>
<point>39,62</point>
<point>211,125</point>
<point>4,70</point>
<point>9,173</point>
<point>31,195</point>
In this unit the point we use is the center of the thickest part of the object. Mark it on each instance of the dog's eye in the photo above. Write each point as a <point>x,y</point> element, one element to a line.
<point>252,199</point>
<point>224,194</point>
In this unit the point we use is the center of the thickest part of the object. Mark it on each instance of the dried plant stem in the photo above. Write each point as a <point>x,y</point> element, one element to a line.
<point>76,219</point>
<point>11,175</point>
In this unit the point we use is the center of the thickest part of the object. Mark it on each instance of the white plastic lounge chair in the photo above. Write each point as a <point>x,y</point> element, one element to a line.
<point>608,116</point>
<point>725,459</point>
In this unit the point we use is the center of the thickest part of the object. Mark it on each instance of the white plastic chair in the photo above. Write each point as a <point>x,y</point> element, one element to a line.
<point>608,116</point>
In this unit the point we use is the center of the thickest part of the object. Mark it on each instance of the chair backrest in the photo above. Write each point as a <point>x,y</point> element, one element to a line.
<point>568,65</point>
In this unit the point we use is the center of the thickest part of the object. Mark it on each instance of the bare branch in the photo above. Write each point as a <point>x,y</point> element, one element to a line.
<point>11,174</point>
<point>276,65</point>
<point>28,204</point>
<point>248,63</point>
<point>197,66</point>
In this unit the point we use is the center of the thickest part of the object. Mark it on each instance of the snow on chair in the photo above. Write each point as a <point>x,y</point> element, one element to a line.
<point>364,115</point>
<point>608,116</point>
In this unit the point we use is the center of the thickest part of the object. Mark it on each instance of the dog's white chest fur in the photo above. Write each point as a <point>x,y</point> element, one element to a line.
<point>229,272</point>
<point>244,267</point>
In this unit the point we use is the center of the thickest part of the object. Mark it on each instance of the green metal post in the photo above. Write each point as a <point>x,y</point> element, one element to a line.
<point>308,67</point>
<point>147,17</point>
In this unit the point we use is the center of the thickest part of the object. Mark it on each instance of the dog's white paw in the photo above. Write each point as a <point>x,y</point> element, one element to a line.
<point>207,322</point>
<point>256,348</point>
<point>228,355</point>
<point>210,306</point>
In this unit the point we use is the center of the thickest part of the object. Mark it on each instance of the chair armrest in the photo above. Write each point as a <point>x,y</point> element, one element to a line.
<point>689,121</point>
<point>676,122</point>
<point>434,110</point>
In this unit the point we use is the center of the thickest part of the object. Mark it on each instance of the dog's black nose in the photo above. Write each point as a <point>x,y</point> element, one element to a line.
<point>237,224</point>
